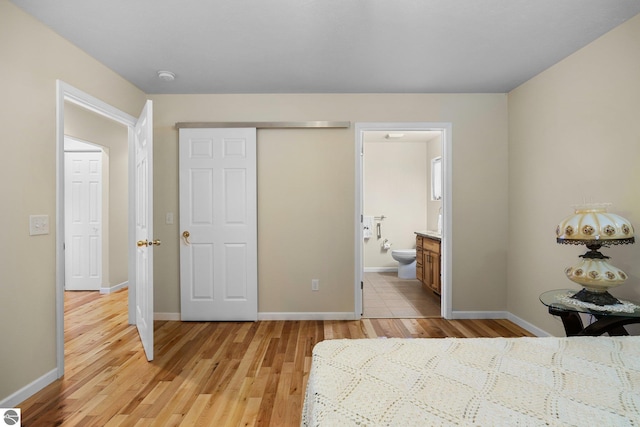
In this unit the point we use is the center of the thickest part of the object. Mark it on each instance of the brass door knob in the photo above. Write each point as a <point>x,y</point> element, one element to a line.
<point>142,243</point>
<point>156,242</point>
<point>185,236</point>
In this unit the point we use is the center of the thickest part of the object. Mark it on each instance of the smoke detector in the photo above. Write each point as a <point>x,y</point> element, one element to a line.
<point>166,76</point>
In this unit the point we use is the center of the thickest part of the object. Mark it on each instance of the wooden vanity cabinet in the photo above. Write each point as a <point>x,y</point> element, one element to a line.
<point>419,260</point>
<point>428,263</point>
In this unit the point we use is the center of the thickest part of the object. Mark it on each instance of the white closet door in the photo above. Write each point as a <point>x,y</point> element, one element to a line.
<point>83,221</point>
<point>218,224</point>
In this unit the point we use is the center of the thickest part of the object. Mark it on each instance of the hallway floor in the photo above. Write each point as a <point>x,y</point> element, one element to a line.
<point>387,296</point>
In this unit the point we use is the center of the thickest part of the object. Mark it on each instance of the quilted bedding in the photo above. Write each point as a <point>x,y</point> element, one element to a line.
<point>576,381</point>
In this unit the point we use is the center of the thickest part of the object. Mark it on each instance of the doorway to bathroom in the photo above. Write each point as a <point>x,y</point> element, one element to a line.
<point>399,194</point>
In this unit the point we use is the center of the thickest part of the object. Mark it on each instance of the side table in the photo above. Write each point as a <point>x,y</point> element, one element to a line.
<point>609,319</point>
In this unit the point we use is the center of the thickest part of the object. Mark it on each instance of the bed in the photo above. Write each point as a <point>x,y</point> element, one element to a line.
<point>579,381</point>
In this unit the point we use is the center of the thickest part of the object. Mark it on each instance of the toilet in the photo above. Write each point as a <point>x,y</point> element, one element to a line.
<point>406,262</point>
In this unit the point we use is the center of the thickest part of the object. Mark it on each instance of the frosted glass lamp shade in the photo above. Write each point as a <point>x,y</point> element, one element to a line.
<point>594,224</point>
<point>594,227</point>
<point>597,275</point>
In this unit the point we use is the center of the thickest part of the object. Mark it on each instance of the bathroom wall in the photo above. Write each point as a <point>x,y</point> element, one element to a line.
<point>395,185</point>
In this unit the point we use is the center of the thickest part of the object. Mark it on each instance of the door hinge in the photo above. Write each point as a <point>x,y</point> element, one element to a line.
<point>361,285</point>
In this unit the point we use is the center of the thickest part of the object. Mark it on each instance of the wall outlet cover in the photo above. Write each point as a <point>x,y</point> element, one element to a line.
<point>38,224</point>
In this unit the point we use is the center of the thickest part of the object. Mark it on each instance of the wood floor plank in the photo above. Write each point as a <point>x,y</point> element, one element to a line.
<point>251,412</point>
<point>195,410</point>
<point>205,373</point>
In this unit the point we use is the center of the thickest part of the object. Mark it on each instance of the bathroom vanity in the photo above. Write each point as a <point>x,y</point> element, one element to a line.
<point>428,260</point>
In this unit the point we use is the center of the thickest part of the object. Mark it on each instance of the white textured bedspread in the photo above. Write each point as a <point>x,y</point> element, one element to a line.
<point>577,381</point>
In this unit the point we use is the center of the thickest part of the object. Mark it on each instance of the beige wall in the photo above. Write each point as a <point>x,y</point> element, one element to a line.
<point>33,58</point>
<point>395,185</point>
<point>306,182</point>
<point>88,126</point>
<point>574,134</point>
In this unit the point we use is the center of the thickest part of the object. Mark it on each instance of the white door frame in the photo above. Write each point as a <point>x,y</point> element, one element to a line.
<point>66,92</point>
<point>447,261</point>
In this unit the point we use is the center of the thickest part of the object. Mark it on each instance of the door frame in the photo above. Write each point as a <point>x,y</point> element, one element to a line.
<point>66,92</point>
<point>447,151</point>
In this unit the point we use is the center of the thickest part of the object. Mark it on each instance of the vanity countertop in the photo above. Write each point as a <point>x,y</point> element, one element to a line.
<point>431,234</point>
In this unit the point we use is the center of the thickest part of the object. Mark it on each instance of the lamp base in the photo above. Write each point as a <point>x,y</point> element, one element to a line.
<point>597,298</point>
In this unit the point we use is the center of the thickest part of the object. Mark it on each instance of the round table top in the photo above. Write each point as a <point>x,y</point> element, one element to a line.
<point>560,299</point>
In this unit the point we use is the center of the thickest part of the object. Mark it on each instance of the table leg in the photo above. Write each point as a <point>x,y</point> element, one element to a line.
<point>571,320</point>
<point>612,325</point>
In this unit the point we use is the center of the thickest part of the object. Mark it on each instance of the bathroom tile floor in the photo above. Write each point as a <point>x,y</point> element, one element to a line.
<point>387,296</point>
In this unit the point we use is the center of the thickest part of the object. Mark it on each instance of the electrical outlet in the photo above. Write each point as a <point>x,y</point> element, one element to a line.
<point>315,285</point>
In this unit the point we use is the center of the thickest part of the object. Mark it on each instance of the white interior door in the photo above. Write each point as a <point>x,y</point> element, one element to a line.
<point>218,224</point>
<point>143,149</point>
<point>83,221</point>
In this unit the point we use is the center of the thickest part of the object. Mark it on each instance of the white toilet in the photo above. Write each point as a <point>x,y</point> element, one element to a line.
<point>406,262</point>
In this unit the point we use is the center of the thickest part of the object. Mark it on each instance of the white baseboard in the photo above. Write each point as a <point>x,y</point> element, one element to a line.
<point>500,315</point>
<point>332,315</point>
<point>112,289</point>
<point>528,326</point>
<point>380,269</point>
<point>277,316</point>
<point>29,390</point>
<point>166,316</point>
<point>348,315</point>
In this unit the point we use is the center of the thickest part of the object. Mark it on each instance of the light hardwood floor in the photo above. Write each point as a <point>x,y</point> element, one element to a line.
<point>205,373</point>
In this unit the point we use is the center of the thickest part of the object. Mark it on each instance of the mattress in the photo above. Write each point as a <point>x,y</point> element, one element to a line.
<point>576,381</point>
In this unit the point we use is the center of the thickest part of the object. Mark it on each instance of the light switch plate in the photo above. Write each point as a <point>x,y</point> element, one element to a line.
<point>38,224</point>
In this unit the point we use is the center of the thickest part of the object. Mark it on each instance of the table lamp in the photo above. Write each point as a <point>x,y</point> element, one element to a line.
<point>594,227</point>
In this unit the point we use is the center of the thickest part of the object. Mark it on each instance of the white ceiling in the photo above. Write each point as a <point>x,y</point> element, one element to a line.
<point>330,46</point>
